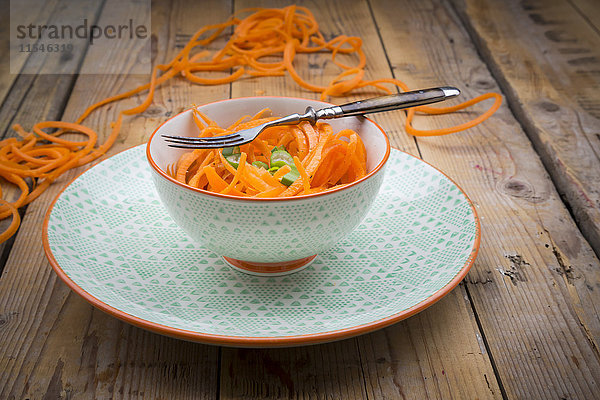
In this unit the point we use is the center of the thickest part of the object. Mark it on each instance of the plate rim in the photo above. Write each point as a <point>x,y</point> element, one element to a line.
<point>261,341</point>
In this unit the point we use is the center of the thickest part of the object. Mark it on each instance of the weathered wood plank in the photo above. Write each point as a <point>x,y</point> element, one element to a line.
<point>535,283</point>
<point>413,358</point>
<point>31,98</point>
<point>37,16</point>
<point>52,343</point>
<point>430,355</point>
<point>551,81</point>
<point>57,11</point>
<point>6,78</point>
<point>321,371</point>
<point>589,10</point>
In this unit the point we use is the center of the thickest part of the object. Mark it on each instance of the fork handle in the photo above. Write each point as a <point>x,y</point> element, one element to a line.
<point>391,102</point>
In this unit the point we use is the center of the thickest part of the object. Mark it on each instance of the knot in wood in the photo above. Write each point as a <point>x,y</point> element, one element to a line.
<point>549,106</point>
<point>155,111</point>
<point>484,84</point>
<point>521,189</point>
<point>516,187</point>
<point>66,56</point>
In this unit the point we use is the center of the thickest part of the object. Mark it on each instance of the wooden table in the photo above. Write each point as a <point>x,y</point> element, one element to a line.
<point>525,323</point>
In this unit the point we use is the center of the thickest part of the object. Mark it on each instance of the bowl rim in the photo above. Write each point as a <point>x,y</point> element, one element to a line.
<point>164,175</point>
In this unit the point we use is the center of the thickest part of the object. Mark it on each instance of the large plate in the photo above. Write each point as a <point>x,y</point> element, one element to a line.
<point>109,238</point>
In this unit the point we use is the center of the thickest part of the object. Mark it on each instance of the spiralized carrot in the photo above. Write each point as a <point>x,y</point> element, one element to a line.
<point>303,175</point>
<point>278,34</point>
<point>14,225</point>
<point>328,148</point>
<point>281,172</point>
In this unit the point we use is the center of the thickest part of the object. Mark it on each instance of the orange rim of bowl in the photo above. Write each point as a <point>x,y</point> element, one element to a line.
<point>265,341</point>
<point>164,175</point>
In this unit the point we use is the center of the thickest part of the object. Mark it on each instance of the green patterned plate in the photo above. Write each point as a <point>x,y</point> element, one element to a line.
<point>108,236</point>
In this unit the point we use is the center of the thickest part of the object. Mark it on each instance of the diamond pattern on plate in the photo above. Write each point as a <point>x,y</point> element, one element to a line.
<point>111,235</point>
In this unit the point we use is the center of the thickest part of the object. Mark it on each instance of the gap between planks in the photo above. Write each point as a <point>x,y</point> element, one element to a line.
<point>561,125</point>
<point>521,217</point>
<point>30,109</point>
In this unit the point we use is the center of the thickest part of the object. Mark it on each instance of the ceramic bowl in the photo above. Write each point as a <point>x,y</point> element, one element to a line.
<point>272,235</point>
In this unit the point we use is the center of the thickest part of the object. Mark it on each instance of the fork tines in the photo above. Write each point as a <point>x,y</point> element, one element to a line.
<point>203,143</point>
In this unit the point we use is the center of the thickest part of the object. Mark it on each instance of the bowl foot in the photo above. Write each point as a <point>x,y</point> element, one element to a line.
<point>269,269</point>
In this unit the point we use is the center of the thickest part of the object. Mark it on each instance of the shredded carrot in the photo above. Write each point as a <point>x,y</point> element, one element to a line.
<point>303,174</point>
<point>271,33</point>
<point>282,171</point>
<point>238,173</point>
<point>14,225</point>
<point>328,152</point>
<point>216,183</point>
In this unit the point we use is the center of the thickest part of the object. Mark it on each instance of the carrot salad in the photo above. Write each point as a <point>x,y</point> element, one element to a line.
<point>264,42</point>
<point>282,161</point>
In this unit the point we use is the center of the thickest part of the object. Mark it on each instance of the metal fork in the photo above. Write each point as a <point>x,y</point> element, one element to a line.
<point>374,105</point>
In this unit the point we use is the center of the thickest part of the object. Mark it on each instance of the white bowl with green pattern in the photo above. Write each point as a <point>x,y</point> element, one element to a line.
<point>273,235</point>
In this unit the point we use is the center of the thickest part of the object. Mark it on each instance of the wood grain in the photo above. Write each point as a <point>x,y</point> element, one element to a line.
<point>412,358</point>
<point>38,16</point>
<point>35,97</point>
<point>532,297</point>
<point>52,343</point>
<point>6,78</point>
<point>561,122</point>
<point>535,283</point>
<point>53,11</point>
<point>430,355</point>
<point>589,10</point>
<point>322,371</point>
